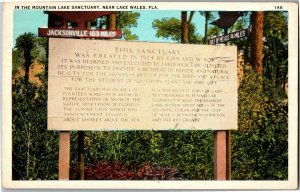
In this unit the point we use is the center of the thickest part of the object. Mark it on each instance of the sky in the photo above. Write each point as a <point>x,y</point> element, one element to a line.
<point>30,20</point>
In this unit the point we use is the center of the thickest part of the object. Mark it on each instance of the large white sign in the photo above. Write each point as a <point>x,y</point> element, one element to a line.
<point>119,85</point>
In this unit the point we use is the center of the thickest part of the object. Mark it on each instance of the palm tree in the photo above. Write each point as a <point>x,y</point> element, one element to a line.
<point>208,16</point>
<point>24,44</point>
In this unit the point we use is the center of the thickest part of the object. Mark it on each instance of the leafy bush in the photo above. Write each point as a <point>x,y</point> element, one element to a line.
<point>35,150</point>
<point>260,146</point>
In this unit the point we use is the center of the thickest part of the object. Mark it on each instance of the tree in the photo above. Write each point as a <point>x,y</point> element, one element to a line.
<point>25,44</point>
<point>170,28</point>
<point>257,41</point>
<point>184,28</point>
<point>37,53</point>
<point>17,60</point>
<point>213,31</point>
<point>275,61</point>
<point>245,42</point>
<point>208,17</point>
<point>126,20</point>
<point>238,25</point>
<point>167,28</point>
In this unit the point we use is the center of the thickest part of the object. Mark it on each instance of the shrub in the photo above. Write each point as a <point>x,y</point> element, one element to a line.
<point>35,150</point>
<point>260,146</point>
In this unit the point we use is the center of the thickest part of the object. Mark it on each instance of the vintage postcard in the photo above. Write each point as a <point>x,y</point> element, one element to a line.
<point>150,95</point>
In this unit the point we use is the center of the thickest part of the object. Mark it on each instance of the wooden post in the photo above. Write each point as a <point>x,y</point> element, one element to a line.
<point>228,155</point>
<point>58,21</point>
<point>80,149</point>
<point>80,134</point>
<point>228,140</point>
<point>220,155</point>
<point>64,155</point>
<point>64,136</point>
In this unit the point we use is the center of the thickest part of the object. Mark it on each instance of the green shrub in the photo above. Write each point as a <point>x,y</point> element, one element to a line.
<point>260,146</point>
<point>35,150</point>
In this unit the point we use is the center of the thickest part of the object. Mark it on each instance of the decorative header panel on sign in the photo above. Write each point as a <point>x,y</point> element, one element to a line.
<point>119,85</point>
<point>79,33</point>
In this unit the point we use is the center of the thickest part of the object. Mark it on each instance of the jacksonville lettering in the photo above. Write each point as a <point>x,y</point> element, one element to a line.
<point>80,33</point>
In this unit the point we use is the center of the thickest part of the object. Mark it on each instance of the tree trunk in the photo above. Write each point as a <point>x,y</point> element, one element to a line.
<point>206,27</point>
<point>184,28</point>
<point>80,148</point>
<point>28,154</point>
<point>189,21</point>
<point>257,41</point>
<point>191,17</point>
<point>27,64</point>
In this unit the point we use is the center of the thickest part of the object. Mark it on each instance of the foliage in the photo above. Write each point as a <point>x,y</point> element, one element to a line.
<point>213,31</point>
<point>25,44</point>
<point>39,51</point>
<point>239,24</point>
<point>17,60</point>
<point>208,15</point>
<point>260,146</point>
<point>275,59</point>
<point>170,28</point>
<point>35,150</point>
<point>190,152</point>
<point>127,20</point>
<point>36,51</point>
<point>117,171</point>
<point>276,51</point>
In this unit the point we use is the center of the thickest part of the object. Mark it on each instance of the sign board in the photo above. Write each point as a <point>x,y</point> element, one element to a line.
<point>230,36</point>
<point>119,85</point>
<point>80,33</point>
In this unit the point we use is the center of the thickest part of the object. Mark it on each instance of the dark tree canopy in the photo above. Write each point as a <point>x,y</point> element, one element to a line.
<point>127,20</point>
<point>275,61</point>
<point>170,28</point>
<point>25,44</point>
<point>25,41</point>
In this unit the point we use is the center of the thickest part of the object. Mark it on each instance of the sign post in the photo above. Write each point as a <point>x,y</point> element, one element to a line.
<point>58,28</point>
<point>140,86</point>
<point>220,165</point>
<point>64,155</point>
<point>223,138</point>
